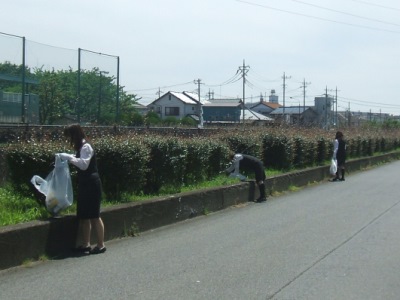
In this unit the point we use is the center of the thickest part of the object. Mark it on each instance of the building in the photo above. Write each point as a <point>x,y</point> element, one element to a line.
<point>222,110</point>
<point>141,109</point>
<point>230,111</point>
<point>11,108</point>
<point>178,105</point>
<point>295,115</point>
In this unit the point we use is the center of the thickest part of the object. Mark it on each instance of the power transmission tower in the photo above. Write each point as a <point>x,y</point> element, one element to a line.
<point>284,77</point>
<point>244,69</point>
<point>200,108</point>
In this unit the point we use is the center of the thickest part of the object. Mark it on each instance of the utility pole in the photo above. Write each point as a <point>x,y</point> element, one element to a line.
<point>326,108</point>
<point>284,89</point>
<point>335,114</point>
<point>159,93</point>
<point>348,116</point>
<point>244,69</point>
<point>210,94</point>
<point>336,117</point>
<point>304,93</point>
<point>200,109</point>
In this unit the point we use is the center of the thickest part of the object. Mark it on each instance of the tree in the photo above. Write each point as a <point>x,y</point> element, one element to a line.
<point>52,105</point>
<point>57,91</point>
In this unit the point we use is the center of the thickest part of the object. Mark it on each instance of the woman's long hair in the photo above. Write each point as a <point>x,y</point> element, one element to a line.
<point>339,135</point>
<point>75,135</point>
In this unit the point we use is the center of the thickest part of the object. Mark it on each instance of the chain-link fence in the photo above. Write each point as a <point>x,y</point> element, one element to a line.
<point>58,83</point>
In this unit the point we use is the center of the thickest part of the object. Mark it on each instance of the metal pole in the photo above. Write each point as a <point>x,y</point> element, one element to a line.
<point>23,82</point>
<point>99,104</point>
<point>117,112</point>
<point>244,85</point>
<point>78,92</point>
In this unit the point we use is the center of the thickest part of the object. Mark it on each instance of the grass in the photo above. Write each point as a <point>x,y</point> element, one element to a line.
<point>15,209</point>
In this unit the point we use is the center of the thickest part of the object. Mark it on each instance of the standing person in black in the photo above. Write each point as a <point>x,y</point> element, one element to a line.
<point>339,154</point>
<point>89,189</point>
<point>251,163</point>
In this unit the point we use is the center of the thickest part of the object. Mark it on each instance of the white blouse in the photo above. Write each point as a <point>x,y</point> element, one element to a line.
<point>86,155</point>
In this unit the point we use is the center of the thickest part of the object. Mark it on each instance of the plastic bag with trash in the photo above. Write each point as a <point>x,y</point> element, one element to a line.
<point>333,167</point>
<point>57,186</point>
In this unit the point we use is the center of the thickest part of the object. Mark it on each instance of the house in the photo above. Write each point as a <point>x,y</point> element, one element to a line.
<point>229,111</point>
<point>222,110</point>
<point>178,105</point>
<point>141,109</point>
<point>264,108</point>
<point>304,115</point>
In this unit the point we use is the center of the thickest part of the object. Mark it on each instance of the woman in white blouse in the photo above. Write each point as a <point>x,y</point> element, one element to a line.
<point>89,189</point>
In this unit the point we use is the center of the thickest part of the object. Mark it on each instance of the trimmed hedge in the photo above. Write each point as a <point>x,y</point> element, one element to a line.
<point>153,163</point>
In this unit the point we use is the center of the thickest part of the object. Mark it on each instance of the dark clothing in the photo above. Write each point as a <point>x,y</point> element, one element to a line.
<point>89,191</point>
<point>252,163</point>
<point>341,153</point>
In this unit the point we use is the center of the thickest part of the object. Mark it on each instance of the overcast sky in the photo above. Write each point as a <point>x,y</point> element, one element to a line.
<point>348,45</point>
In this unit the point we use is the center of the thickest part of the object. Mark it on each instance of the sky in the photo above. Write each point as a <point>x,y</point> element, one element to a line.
<point>300,49</point>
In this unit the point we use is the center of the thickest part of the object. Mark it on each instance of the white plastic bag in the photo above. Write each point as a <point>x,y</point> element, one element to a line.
<point>57,186</point>
<point>333,167</point>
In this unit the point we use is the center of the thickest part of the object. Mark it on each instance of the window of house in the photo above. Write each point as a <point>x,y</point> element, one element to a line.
<point>172,111</point>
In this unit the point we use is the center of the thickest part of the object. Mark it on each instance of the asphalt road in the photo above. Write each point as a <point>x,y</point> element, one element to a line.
<point>334,240</point>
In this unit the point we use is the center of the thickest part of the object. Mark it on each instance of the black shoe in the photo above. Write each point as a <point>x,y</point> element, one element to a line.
<point>341,179</point>
<point>97,250</point>
<point>335,179</point>
<point>82,249</point>
<point>261,199</point>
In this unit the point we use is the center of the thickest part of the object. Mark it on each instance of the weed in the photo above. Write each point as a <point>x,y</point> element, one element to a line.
<point>132,231</point>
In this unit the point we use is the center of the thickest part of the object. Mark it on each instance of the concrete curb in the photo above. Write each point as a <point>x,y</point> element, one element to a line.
<point>55,237</point>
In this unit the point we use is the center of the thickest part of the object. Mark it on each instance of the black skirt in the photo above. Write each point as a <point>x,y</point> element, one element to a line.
<point>89,197</point>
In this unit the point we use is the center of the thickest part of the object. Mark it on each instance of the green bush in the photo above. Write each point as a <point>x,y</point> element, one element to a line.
<point>122,164</point>
<point>150,164</point>
<point>166,164</point>
<point>278,152</point>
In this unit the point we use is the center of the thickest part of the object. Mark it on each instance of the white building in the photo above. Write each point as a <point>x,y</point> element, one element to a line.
<point>178,105</point>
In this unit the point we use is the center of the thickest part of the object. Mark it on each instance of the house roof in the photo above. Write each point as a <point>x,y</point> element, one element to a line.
<point>223,103</point>
<point>272,105</point>
<point>290,110</point>
<point>139,106</point>
<point>250,115</point>
<point>185,97</point>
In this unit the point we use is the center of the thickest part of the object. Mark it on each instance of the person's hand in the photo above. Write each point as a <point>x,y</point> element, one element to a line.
<point>65,156</point>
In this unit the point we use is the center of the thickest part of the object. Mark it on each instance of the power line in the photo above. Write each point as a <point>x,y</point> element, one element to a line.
<point>162,87</point>
<point>369,103</point>
<point>345,13</point>
<point>377,5</point>
<point>318,18</point>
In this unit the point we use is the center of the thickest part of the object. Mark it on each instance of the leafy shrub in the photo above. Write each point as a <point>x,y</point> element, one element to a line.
<point>122,164</point>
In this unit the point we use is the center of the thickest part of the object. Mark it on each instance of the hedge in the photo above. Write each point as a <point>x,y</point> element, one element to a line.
<point>154,163</point>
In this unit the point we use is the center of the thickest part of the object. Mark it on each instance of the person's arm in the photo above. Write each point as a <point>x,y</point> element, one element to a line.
<point>235,164</point>
<point>335,148</point>
<point>83,161</point>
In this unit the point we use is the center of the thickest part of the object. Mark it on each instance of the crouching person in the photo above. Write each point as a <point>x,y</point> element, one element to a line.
<point>249,163</point>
